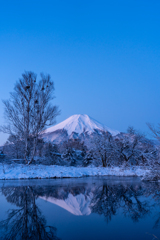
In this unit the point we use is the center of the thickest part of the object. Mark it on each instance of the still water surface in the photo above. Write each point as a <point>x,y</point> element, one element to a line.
<point>74,209</point>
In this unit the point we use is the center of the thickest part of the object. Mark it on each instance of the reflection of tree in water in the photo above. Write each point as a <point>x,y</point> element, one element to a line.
<point>132,200</point>
<point>62,192</point>
<point>104,202</point>
<point>153,189</point>
<point>132,204</point>
<point>109,199</point>
<point>26,222</point>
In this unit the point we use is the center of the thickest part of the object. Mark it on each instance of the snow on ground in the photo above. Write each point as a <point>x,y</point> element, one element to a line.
<point>20,171</point>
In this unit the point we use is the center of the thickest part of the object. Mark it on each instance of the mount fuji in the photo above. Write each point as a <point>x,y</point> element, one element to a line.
<point>75,126</point>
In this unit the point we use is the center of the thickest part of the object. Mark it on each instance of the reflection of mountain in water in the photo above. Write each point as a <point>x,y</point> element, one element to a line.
<point>106,197</point>
<point>77,205</point>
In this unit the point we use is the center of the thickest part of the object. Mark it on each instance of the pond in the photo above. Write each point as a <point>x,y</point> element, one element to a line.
<point>87,208</point>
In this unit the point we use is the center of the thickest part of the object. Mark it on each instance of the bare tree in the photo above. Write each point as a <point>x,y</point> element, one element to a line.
<point>30,110</point>
<point>103,147</point>
<point>133,148</point>
<point>126,145</point>
<point>154,130</point>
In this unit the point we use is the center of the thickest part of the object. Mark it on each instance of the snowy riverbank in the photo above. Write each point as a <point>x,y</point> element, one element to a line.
<point>20,171</point>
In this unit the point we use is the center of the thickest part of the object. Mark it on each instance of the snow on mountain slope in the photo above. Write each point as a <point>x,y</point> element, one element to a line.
<point>77,205</point>
<point>80,123</point>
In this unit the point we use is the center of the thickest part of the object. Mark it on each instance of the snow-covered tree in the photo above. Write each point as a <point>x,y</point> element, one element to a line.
<point>156,134</point>
<point>88,159</point>
<point>14,147</point>
<point>155,130</point>
<point>69,156</point>
<point>30,110</point>
<point>126,148</point>
<point>49,154</point>
<point>72,152</point>
<point>134,148</point>
<point>103,147</point>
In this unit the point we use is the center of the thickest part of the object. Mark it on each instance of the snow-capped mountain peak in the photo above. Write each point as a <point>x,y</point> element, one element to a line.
<point>80,123</point>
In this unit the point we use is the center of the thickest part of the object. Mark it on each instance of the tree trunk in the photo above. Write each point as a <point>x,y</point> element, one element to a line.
<point>26,150</point>
<point>104,160</point>
<point>34,151</point>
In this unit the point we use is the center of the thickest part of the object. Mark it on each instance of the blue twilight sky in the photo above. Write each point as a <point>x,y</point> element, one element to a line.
<point>104,56</point>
